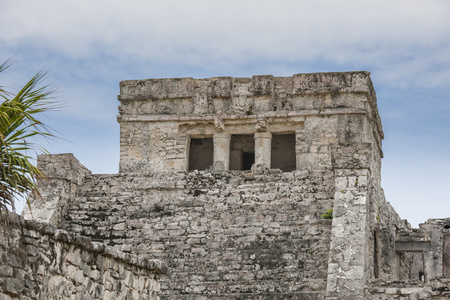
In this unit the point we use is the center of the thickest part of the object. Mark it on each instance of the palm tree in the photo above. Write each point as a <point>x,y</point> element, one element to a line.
<point>19,125</point>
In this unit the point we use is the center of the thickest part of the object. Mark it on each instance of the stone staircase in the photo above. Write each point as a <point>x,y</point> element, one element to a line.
<point>235,236</point>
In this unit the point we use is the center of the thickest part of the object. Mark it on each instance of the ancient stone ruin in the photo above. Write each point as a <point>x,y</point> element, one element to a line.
<point>230,188</point>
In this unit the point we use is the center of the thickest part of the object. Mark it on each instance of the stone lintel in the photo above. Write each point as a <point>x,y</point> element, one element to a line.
<point>226,117</point>
<point>412,246</point>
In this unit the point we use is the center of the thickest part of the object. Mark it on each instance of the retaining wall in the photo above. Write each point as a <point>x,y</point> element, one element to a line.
<point>39,262</point>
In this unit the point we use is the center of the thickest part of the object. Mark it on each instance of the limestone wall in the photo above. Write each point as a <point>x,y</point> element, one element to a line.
<point>159,116</point>
<point>39,262</point>
<point>224,235</point>
<point>436,261</point>
<point>63,175</point>
<point>386,224</point>
<point>348,268</point>
<point>255,233</point>
<point>182,96</point>
<point>439,289</point>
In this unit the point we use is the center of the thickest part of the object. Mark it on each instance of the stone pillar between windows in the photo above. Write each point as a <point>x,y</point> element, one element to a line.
<point>221,142</point>
<point>263,149</point>
<point>427,266</point>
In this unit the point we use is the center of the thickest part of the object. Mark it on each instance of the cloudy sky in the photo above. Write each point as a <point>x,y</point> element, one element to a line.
<point>88,47</point>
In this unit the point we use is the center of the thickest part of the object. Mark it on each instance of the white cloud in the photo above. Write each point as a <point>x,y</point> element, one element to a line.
<point>402,43</point>
<point>218,29</point>
<point>89,46</point>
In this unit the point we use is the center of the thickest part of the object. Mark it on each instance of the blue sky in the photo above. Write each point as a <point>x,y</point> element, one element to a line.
<point>88,47</point>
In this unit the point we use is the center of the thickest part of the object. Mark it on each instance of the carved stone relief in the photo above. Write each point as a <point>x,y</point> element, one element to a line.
<point>201,103</point>
<point>241,102</point>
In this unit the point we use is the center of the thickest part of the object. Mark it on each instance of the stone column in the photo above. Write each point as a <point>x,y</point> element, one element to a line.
<point>348,261</point>
<point>221,142</point>
<point>263,149</point>
<point>428,266</point>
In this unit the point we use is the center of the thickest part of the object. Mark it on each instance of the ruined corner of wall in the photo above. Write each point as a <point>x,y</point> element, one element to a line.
<point>63,174</point>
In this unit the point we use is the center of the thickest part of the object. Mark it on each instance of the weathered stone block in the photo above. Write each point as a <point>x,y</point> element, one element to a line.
<point>6,271</point>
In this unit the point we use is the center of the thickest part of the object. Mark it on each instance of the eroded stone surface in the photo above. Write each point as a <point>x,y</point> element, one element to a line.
<point>238,228</point>
<point>40,262</point>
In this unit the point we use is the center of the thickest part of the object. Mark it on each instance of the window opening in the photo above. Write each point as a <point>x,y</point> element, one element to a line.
<point>248,161</point>
<point>421,276</point>
<point>242,152</point>
<point>418,266</point>
<point>283,152</point>
<point>201,154</point>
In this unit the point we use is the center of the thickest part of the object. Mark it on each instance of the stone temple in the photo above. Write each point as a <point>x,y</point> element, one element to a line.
<point>223,190</point>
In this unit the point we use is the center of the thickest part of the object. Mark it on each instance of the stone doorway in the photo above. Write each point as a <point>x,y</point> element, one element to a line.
<point>242,152</point>
<point>201,153</point>
<point>283,152</point>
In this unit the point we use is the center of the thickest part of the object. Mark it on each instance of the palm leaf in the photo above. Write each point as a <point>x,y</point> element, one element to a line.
<point>18,124</point>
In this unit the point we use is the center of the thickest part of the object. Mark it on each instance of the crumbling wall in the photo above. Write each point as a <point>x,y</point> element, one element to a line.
<point>438,289</point>
<point>63,175</point>
<point>223,234</point>
<point>385,226</point>
<point>436,261</point>
<point>39,262</point>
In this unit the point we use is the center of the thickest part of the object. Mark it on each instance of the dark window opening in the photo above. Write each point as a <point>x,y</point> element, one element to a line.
<point>242,152</point>
<point>417,266</point>
<point>201,154</point>
<point>249,160</point>
<point>283,152</point>
<point>421,276</point>
<point>446,255</point>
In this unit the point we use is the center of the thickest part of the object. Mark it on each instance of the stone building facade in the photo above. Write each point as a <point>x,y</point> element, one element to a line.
<point>226,180</point>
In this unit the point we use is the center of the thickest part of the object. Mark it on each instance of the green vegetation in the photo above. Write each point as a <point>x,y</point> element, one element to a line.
<point>18,128</point>
<point>328,214</point>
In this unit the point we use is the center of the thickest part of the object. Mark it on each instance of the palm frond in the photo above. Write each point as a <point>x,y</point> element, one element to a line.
<point>18,124</point>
